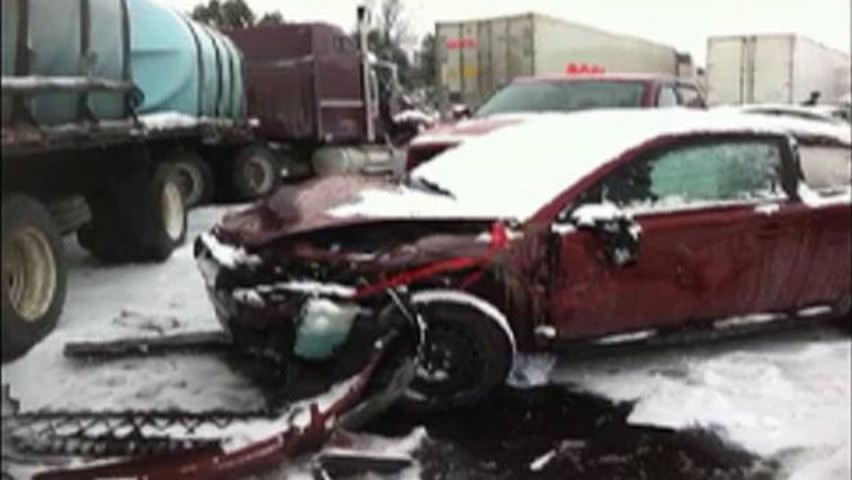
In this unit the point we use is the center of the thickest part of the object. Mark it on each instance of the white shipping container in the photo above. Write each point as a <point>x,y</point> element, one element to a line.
<point>783,68</point>
<point>477,57</point>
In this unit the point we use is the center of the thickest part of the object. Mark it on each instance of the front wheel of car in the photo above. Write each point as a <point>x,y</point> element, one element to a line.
<point>466,354</point>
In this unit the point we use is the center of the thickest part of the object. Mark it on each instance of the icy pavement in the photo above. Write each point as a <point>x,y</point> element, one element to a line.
<point>107,302</point>
<point>783,396</point>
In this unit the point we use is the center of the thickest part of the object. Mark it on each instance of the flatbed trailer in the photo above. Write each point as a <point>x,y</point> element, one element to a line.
<point>112,182</point>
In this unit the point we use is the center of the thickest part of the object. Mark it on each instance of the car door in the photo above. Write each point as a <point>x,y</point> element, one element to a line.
<point>828,171</point>
<point>702,254</point>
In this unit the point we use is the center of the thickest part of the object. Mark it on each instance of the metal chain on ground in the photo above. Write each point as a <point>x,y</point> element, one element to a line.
<point>111,433</point>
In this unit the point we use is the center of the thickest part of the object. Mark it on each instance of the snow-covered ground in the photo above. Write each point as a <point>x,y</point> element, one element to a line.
<point>131,300</point>
<point>785,396</point>
<point>781,396</point>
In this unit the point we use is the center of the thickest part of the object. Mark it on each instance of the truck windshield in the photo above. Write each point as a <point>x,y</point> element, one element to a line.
<point>563,97</point>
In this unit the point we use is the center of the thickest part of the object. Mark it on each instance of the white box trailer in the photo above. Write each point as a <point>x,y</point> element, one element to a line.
<point>778,68</point>
<point>476,57</point>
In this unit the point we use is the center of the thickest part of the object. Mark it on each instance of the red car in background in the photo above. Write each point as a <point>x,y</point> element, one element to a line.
<point>530,239</point>
<point>559,93</point>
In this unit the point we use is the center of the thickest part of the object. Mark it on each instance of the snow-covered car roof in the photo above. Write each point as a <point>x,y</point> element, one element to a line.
<point>515,171</point>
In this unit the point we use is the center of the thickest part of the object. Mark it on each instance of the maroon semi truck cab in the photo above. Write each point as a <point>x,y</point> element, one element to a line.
<point>560,93</point>
<point>304,82</point>
<point>315,93</point>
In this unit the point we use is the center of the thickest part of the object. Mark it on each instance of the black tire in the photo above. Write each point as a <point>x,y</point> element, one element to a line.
<point>142,218</point>
<point>197,182</point>
<point>479,359</point>
<point>255,173</point>
<point>31,244</point>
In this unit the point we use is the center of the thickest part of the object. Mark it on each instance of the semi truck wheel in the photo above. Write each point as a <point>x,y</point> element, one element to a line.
<point>142,218</point>
<point>34,275</point>
<point>164,227</point>
<point>195,177</point>
<point>256,172</point>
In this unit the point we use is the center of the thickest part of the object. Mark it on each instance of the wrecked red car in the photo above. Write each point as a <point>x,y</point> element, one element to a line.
<point>563,93</point>
<point>543,234</point>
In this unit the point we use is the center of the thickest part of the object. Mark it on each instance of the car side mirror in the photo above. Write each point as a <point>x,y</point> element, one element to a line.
<point>616,229</point>
<point>461,111</point>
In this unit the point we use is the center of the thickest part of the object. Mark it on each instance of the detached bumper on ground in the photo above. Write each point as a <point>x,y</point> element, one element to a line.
<point>231,450</point>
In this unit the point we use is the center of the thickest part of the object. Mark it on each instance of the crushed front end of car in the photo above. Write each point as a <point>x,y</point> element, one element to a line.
<point>313,293</point>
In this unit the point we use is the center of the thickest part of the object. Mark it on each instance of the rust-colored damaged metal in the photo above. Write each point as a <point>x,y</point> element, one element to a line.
<point>294,209</point>
<point>297,239</point>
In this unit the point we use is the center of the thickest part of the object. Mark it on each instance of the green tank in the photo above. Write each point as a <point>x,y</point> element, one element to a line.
<point>177,64</point>
<point>183,66</point>
<point>58,32</point>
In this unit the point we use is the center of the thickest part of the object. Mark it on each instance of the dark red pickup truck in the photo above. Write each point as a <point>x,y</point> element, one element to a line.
<point>562,93</point>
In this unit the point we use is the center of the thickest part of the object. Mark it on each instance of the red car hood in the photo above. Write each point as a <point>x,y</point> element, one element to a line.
<point>457,132</point>
<point>306,208</point>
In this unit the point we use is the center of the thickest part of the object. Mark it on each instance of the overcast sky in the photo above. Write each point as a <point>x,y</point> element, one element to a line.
<point>684,24</point>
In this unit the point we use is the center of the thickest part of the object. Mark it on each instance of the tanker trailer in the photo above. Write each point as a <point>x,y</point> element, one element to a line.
<point>190,71</point>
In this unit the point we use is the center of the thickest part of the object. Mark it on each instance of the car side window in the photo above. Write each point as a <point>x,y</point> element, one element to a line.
<point>826,168</point>
<point>666,97</point>
<point>689,97</point>
<point>699,174</point>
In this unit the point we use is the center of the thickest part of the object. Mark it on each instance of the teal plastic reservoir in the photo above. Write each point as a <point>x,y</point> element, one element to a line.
<point>182,66</point>
<point>208,66</point>
<point>178,64</point>
<point>66,39</point>
<point>54,33</point>
<point>163,58</point>
<point>9,43</point>
<point>322,327</point>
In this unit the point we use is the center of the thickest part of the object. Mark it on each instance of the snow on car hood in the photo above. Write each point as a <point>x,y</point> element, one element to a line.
<point>332,202</point>
<point>514,171</point>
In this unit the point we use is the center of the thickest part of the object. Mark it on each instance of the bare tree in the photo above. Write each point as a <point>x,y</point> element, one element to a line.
<point>426,62</point>
<point>271,18</point>
<point>394,27</point>
<point>229,14</point>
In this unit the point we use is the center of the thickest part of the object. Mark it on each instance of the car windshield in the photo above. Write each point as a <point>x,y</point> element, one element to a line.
<point>563,97</point>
